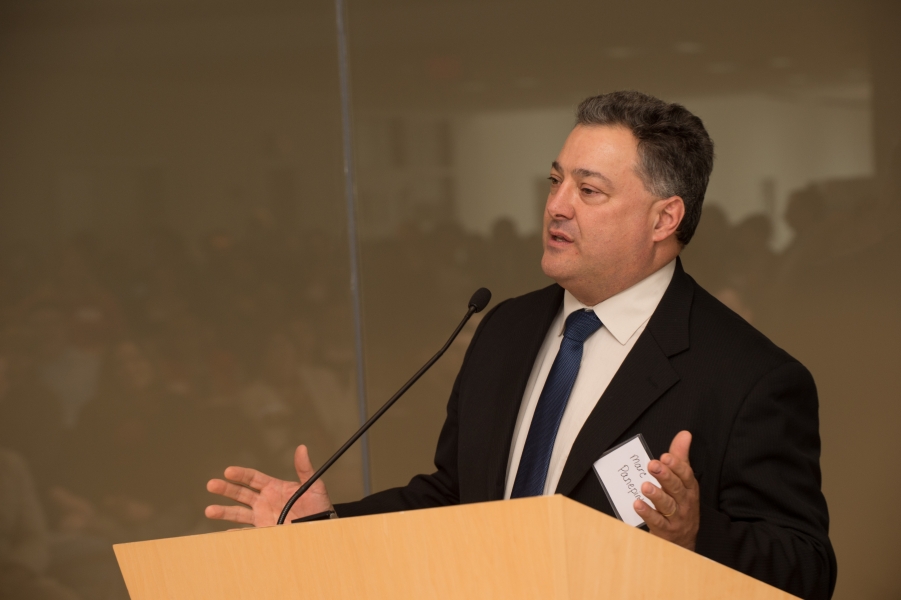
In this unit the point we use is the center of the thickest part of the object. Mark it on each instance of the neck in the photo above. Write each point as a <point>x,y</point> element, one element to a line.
<point>598,289</point>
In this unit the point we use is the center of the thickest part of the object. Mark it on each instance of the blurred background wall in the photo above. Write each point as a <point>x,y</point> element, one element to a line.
<point>175,267</point>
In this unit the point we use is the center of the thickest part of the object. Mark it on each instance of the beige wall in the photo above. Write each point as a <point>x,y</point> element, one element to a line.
<point>174,263</point>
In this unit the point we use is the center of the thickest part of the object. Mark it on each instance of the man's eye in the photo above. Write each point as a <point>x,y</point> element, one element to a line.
<point>553,180</point>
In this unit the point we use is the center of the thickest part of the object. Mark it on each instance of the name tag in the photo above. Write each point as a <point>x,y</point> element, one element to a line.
<point>622,470</point>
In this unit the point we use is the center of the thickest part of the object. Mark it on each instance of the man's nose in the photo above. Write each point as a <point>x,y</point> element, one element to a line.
<point>560,202</point>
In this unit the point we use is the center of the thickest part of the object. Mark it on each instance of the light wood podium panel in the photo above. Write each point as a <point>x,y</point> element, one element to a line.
<point>546,547</point>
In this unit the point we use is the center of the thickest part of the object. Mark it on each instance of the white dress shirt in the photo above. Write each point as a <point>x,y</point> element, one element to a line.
<point>624,316</point>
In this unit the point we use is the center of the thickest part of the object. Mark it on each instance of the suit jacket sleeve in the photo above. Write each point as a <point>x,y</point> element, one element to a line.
<point>440,488</point>
<point>771,520</point>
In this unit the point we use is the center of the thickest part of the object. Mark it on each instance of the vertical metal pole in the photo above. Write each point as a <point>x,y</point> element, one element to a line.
<point>352,240</point>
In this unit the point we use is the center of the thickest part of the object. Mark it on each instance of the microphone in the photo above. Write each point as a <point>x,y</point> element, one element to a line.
<point>477,303</point>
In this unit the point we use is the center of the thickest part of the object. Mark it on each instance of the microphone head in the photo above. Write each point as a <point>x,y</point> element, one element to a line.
<point>480,300</point>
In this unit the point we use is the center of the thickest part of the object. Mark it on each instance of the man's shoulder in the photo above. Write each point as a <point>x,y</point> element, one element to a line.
<point>526,306</point>
<point>550,296</point>
<point>528,314</point>
<point>715,329</point>
<point>689,318</point>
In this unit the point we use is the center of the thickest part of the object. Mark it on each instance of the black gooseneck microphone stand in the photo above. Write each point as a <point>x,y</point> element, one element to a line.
<point>477,303</point>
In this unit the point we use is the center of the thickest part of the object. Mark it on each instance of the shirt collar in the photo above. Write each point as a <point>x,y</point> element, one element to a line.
<point>628,310</point>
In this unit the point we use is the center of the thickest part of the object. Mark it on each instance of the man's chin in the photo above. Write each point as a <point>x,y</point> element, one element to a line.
<point>554,269</point>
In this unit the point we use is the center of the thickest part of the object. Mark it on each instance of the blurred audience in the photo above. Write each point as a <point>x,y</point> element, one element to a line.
<point>131,371</point>
<point>24,537</point>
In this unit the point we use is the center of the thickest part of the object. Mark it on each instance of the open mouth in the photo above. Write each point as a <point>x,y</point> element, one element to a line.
<point>558,236</point>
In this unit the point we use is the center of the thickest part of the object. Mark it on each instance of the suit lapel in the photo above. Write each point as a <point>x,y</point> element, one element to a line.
<point>526,340</point>
<point>644,376</point>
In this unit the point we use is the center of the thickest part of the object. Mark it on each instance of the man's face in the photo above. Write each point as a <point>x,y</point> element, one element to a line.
<point>599,221</point>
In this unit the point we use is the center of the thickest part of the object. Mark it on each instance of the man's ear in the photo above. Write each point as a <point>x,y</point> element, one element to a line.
<point>668,216</point>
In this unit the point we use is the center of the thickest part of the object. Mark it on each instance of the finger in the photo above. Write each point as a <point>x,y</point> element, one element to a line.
<point>681,468</point>
<point>681,444</point>
<point>654,519</point>
<point>302,463</point>
<point>249,477</point>
<point>238,493</point>
<point>669,481</point>
<point>663,502</point>
<point>316,498</point>
<point>236,514</point>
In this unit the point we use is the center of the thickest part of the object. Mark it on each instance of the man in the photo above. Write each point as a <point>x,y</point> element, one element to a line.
<point>625,343</point>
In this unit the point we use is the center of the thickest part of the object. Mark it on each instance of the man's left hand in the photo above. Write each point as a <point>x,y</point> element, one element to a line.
<point>678,506</point>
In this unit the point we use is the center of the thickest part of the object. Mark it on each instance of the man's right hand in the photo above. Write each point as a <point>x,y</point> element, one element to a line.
<point>264,497</point>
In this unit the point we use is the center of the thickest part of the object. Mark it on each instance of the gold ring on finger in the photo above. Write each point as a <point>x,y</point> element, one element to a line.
<point>675,508</point>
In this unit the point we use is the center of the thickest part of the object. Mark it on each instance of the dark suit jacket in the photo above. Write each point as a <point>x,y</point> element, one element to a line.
<point>752,410</point>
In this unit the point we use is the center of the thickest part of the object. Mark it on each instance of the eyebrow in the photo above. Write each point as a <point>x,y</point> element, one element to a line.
<point>581,172</point>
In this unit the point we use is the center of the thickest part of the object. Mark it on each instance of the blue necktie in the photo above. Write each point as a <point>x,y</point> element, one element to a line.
<point>536,454</point>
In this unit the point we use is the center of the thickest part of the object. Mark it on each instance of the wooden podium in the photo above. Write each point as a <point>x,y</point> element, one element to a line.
<point>546,547</point>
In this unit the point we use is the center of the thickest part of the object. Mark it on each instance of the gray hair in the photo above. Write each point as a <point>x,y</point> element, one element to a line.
<point>674,149</point>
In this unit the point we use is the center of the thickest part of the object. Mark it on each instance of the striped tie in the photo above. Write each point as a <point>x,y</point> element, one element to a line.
<point>536,454</point>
